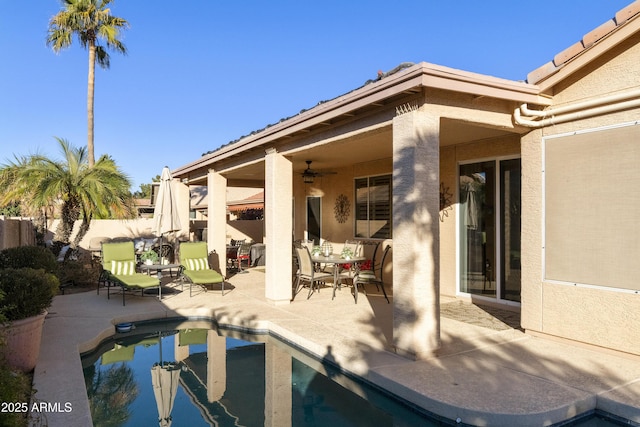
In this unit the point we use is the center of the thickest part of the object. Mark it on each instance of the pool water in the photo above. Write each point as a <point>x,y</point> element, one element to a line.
<point>193,376</point>
<point>187,373</point>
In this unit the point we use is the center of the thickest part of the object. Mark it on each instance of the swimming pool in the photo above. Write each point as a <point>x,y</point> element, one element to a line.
<point>192,373</point>
<point>189,374</point>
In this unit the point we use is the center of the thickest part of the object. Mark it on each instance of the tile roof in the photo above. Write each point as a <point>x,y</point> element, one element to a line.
<point>588,40</point>
<point>381,75</point>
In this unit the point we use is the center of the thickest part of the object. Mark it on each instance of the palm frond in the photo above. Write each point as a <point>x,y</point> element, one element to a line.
<point>79,191</point>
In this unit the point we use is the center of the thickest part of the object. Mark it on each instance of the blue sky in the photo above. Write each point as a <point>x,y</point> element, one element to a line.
<point>201,73</point>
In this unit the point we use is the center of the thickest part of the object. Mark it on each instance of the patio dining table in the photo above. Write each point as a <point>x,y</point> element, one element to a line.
<point>338,261</point>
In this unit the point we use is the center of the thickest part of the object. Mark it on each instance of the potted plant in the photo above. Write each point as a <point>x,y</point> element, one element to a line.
<point>149,257</point>
<point>26,293</point>
<point>347,253</point>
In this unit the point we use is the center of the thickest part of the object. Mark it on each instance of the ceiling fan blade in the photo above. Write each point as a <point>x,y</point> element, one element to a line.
<point>313,173</point>
<point>325,173</point>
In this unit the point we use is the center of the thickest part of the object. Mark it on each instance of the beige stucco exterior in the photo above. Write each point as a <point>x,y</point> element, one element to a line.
<point>419,125</point>
<point>599,316</point>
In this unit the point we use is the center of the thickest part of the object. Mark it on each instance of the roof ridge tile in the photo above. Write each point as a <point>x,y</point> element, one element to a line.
<point>588,40</point>
<point>628,12</point>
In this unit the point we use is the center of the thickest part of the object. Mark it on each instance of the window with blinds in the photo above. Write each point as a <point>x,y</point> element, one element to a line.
<point>373,207</point>
<point>592,203</point>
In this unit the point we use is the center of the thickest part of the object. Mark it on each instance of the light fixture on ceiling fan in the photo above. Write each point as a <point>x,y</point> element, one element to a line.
<point>309,174</point>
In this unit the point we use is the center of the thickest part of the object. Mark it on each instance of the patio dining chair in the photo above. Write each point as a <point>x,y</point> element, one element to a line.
<point>355,250</point>
<point>346,272</point>
<point>95,247</point>
<point>353,246</point>
<point>194,266</point>
<point>375,276</point>
<point>306,271</point>
<point>241,255</point>
<point>164,251</point>
<point>119,269</point>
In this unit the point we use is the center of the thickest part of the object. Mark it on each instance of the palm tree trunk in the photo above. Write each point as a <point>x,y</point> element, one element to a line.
<point>82,231</point>
<point>69,213</point>
<point>90,95</point>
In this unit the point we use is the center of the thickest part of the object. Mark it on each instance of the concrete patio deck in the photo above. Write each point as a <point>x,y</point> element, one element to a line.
<point>487,373</point>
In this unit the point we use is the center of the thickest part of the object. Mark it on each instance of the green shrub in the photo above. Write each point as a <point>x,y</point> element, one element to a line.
<point>3,318</point>
<point>78,273</point>
<point>14,387</point>
<point>29,257</point>
<point>27,292</point>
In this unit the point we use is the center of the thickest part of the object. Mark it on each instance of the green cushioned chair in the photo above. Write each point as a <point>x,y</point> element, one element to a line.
<point>119,269</point>
<point>194,266</point>
<point>119,353</point>
<point>192,336</point>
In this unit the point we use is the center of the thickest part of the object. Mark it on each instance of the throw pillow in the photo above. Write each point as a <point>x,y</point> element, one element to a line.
<point>123,267</point>
<point>197,264</point>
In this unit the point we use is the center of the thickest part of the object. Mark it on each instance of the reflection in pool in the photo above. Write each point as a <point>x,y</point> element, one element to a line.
<point>192,374</point>
<point>189,373</point>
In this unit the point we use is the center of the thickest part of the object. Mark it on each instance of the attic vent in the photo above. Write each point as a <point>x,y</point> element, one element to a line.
<point>406,108</point>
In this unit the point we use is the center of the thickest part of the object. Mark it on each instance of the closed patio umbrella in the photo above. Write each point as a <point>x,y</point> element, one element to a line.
<point>164,379</point>
<point>472,208</point>
<point>165,386</point>
<point>165,213</point>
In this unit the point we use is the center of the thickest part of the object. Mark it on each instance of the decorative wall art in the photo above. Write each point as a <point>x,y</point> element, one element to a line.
<point>342,208</point>
<point>445,201</point>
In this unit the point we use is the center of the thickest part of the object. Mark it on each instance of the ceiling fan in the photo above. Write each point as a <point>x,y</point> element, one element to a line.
<point>309,174</point>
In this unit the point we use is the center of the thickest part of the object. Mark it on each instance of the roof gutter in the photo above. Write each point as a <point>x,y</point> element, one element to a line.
<point>590,108</point>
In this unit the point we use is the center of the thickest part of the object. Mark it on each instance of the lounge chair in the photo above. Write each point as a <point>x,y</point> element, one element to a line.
<point>194,266</point>
<point>119,269</point>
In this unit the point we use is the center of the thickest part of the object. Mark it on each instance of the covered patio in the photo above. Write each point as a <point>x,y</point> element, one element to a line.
<point>410,127</point>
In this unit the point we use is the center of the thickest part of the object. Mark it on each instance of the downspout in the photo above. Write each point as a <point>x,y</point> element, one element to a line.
<point>578,110</point>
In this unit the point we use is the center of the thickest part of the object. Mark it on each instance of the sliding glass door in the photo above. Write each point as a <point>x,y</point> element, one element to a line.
<point>489,218</point>
<point>477,228</point>
<point>510,210</point>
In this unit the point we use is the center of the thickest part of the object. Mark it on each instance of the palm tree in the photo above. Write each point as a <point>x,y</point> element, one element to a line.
<point>79,190</point>
<point>91,21</point>
<point>111,391</point>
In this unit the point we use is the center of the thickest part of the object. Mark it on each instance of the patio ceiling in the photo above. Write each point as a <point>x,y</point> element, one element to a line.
<point>325,157</point>
<point>342,153</point>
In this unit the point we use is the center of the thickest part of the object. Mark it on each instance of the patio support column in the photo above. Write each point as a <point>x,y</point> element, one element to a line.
<point>416,240</point>
<point>216,366</point>
<point>278,205</point>
<point>279,393</point>
<point>217,220</point>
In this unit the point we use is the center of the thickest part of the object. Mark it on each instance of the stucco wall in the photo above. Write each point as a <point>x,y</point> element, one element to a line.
<point>618,71</point>
<point>113,228</point>
<point>531,239</point>
<point>448,183</point>
<point>597,316</point>
<point>329,187</point>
